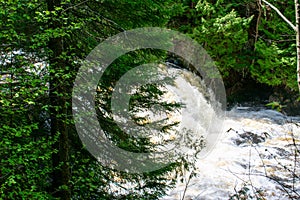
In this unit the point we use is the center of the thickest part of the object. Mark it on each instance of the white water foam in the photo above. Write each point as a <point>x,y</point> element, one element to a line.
<point>253,144</point>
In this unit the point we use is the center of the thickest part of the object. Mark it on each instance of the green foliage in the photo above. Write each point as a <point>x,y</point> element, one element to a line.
<point>25,146</point>
<point>219,28</point>
<point>276,105</point>
<point>227,38</point>
<point>275,50</point>
<point>148,185</point>
<point>246,41</point>
<point>41,48</point>
<point>274,65</point>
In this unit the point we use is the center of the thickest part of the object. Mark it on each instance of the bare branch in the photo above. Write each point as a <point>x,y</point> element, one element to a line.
<point>186,185</point>
<point>71,7</point>
<point>281,15</point>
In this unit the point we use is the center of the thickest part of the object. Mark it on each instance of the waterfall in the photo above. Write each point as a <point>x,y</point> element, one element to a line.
<point>247,152</point>
<point>254,156</point>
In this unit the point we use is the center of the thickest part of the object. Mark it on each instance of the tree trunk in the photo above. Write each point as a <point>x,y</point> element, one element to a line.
<point>296,29</point>
<point>297,11</point>
<point>58,111</point>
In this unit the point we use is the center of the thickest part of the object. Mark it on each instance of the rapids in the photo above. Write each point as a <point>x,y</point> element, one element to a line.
<point>256,156</point>
<point>254,143</point>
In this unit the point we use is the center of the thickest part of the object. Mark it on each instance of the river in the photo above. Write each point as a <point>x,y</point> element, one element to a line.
<point>256,155</point>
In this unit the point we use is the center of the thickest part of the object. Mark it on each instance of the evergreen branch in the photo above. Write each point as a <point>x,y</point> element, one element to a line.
<point>281,15</point>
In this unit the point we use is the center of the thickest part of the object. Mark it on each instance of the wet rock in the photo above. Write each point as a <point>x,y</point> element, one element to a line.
<point>247,137</point>
<point>282,152</point>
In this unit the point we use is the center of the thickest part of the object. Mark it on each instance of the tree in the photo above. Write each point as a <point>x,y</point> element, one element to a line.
<point>250,45</point>
<point>222,28</point>
<point>296,28</point>
<point>40,150</point>
<point>24,137</point>
<point>66,24</point>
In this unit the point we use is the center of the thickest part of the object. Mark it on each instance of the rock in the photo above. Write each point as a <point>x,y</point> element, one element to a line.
<point>247,137</point>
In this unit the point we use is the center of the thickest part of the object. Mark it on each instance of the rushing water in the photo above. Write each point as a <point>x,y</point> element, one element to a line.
<point>257,155</point>
<point>253,144</point>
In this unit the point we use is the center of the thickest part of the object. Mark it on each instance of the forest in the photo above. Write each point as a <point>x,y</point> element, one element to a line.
<point>253,44</point>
